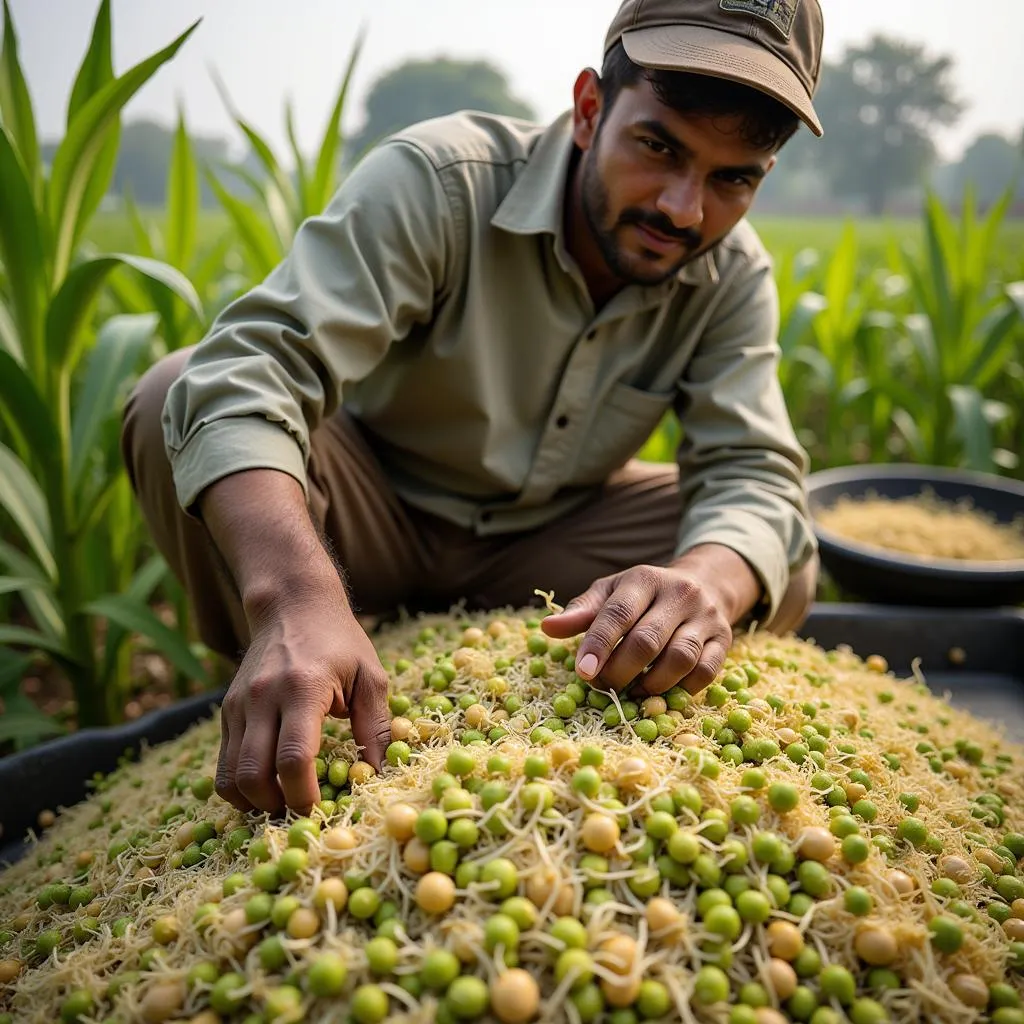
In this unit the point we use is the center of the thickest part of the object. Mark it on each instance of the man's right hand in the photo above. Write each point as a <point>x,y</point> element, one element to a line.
<point>308,658</point>
<point>307,655</point>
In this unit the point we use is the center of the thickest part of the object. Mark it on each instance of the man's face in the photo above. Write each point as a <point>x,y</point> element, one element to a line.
<point>658,188</point>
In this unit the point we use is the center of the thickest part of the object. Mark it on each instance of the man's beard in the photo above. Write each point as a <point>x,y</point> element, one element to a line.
<point>596,209</point>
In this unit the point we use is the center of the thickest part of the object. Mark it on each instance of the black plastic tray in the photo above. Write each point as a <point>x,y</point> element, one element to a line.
<point>989,683</point>
<point>56,774</point>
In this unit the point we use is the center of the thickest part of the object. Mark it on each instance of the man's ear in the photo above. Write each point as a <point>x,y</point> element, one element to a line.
<point>587,98</point>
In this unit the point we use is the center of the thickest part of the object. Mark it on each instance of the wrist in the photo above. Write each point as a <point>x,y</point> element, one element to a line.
<point>735,586</point>
<point>275,594</point>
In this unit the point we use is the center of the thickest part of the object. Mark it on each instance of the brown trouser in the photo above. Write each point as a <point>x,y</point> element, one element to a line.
<point>395,555</point>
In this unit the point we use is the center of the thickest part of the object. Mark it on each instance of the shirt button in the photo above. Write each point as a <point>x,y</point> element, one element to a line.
<point>562,422</point>
<point>486,517</point>
<point>590,335</point>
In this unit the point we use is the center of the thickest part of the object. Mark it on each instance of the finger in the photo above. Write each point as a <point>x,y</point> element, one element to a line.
<point>579,613</point>
<point>639,647</point>
<point>710,664</point>
<point>621,611</point>
<point>691,658</point>
<point>256,773</point>
<point>232,729</point>
<point>297,747</point>
<point>371,723</point>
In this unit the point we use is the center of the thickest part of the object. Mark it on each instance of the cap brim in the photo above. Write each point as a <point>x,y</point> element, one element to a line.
<point>709,51</point>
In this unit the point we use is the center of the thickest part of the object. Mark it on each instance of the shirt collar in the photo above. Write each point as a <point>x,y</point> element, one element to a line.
<point>535,203</point>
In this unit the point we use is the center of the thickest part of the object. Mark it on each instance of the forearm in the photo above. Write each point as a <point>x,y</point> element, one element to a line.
<point>735,584</point>
<point>260,524</point>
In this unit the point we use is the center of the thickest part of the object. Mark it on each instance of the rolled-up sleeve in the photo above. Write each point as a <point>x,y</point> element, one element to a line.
<point>741,467</point>
<point>356,280</point>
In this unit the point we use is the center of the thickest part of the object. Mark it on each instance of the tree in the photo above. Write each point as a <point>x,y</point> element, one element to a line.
<point>422,89</point>
<point>880,107</point>
<point>990,163</point>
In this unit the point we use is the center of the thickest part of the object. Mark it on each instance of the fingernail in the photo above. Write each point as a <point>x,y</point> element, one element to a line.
<point>587,665</point>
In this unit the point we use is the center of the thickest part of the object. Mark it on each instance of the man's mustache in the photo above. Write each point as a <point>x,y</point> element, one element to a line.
<point>690,237</point>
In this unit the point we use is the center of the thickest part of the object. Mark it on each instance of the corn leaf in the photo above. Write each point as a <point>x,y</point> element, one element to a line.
<point>919,329</point>
<point>840,291</point>
<point>852,390</point>
<point>22,254</point>
<point>971,426</point>
<point>70,308</point>
<point>20,636</point>
<point>801,316</point>
<point>134,616</point>
<point>941,248</point>
<point>907,426</point>
<point>96,71</point>
<point>81,152</point>
<point>301,175</point>
<point>212,265</point>
<point>24,724</point>
<point>1015,293</point>
<point>273,202</point>
<point>16,113</point>
<point>148,577</point>
<point>131,297</point>
<point>9,340</point>
<point>40,601</point>
<point>12,668</point>
<point>25,504</point>
<point>97,67</point>
<point>112,362</point>
<point>997,343</point>
<point>323,183</point>
<point>145,241</point>
<point>262,149</point>
<point>259,243</point>
<point>15,584</point>
<point>182,200</point>
<point>26,411</point>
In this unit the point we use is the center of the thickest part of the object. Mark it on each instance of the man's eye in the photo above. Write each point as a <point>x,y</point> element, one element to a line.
<point>736,180</point>
<point>655,146</point>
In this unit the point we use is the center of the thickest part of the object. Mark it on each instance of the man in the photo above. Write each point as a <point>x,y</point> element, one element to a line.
<point>438,393</point>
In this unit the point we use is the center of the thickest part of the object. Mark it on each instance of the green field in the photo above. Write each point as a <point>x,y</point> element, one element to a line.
<point>111,231</point>
<point>874,236</point>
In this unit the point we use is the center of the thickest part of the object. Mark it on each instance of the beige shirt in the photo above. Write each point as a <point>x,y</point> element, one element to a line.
<point>436,301</point>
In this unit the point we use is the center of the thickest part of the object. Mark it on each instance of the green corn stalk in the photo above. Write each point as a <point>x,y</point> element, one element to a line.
<point>801,367</point>
<point>967,329</point>
<point>282,201</point>
<point>175,244</point>
<point>74,533</point>
<point>829,323</point>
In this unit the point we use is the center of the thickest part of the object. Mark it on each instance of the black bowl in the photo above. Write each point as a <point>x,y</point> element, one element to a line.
<point>889,577</point>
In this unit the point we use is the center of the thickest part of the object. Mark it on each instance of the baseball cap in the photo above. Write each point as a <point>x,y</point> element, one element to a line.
<point>771,45</point>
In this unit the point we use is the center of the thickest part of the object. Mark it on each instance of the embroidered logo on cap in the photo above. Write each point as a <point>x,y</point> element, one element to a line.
<point>779,12</point>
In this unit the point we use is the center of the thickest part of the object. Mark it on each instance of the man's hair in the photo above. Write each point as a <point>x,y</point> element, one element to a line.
<point>765,123</point>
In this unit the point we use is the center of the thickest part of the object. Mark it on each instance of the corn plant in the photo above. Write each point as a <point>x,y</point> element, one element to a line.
<point>175,243</point>
<point>74,533</point>
<point>801,366</point>
<point>282,201</point>
<point>964,334</point>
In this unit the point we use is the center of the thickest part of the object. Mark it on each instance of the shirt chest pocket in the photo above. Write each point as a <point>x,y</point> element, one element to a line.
<point>620,425</point>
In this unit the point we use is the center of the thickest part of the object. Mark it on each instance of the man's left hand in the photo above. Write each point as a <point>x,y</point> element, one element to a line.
<point>650,628</point>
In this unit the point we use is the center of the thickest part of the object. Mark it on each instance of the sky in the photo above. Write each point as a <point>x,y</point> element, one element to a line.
<point>266,50</point>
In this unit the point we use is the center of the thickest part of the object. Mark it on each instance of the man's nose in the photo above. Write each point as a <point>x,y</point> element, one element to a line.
<point>682,201</point>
